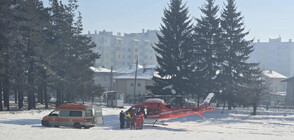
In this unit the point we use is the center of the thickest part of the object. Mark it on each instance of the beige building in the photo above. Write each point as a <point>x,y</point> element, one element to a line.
<point>290,91</point>
<point>124,50</point>
<point>125,82</point>
<point>276,88</point>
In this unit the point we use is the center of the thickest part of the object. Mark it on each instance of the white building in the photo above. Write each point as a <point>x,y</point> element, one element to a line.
<point>119,51</point>
<point>275,55</point>
<point>276,88</point>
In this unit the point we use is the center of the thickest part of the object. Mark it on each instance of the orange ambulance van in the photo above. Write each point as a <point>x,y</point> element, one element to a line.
<point>75,115</point>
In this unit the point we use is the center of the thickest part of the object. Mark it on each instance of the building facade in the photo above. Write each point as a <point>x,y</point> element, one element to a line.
<point>275,55</point>
<point>275,87</point>
<point>125,82</point>
<point>118,51</point>
<point>104,77</point>
<point>290,91</point>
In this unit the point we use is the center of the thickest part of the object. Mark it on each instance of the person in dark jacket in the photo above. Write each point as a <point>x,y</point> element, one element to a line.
<point>122,119</point>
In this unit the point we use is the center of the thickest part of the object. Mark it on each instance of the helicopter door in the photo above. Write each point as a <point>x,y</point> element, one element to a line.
<point>98,115</point>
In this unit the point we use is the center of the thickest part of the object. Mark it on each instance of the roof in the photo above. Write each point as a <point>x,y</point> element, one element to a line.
<point>273,74</point>
<point>142,74</point>
<point>288,79</point>
<point>128,69</point>
<point>100,69</point>
<point>72,107</point>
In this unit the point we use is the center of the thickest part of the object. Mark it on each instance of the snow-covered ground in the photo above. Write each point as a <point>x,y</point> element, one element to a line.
<point>232,125</point>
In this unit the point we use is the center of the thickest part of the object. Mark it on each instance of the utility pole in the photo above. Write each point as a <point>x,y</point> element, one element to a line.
<point>111,78</point>
<point>135,80</point>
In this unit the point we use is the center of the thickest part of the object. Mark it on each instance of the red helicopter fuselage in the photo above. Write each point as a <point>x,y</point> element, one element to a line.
<point>157,109</point>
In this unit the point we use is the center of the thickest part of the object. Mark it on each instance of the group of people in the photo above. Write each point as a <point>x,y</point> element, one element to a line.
<point>131,119</point>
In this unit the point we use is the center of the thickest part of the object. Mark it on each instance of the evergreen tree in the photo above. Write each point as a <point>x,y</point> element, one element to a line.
<point>173,50</point>
<point>6,28</point>
<point>253,88</point>
<point>32,28</point>
<point>237,51</point>
<point>208,49</point>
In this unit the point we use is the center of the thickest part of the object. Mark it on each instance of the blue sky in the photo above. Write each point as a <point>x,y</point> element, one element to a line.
<point>264,18</point>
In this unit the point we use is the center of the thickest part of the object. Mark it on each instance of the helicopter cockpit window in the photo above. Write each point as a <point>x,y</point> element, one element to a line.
<point>168,106</point>
<point>155,111</point>
<point>149,111</point>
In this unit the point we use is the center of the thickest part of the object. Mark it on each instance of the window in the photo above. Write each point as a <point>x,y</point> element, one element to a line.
<point>149,111</point>
<point>89,113</point>
<point>139,84</point>
<point>76,113</point>
<point>156,111</point>
<point>106,78</point>
<point>64,113</point>
<point>132,84</point>
<point>54,113</point>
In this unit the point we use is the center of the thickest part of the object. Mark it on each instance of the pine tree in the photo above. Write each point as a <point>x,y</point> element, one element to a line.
<point>207,49</point>
<point>237,51</point>
<point>32,32</point>
<point>253,87</point>
<point>6,28</point>
<point>173,50</point>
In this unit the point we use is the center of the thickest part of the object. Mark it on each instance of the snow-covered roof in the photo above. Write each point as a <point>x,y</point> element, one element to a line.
<point>128,69</point>
<point>100,69</point>
<point>288,79</point>
<point>279,93</point>
<point>143,74</point>
<point>273,74</point>
<point>151,66</point>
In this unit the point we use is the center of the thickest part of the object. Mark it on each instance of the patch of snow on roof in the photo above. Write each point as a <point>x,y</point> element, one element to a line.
<point>128,69</point>
<point>273,74</point>
<point>100,69</point>
<point>142,74</point>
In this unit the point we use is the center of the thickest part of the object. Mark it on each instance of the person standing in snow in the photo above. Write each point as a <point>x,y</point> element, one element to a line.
<point>128,119</point>
<point>133,118</point>
<point>122,119</point>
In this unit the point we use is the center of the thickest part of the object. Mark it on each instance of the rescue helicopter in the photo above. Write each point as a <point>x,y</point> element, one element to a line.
<point>158,110</point>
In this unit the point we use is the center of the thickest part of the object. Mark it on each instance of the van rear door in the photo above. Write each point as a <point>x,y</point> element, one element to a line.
<point>98,115</point>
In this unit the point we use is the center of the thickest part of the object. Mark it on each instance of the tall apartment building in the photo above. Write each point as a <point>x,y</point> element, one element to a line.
<point>118,51</point>
<point>275,55</point>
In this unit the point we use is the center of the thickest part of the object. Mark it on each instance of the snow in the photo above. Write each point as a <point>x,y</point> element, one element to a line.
<point>231,125</point>
<point>100,69</point>
<point>273,74</point>
<point>128,69</point>
<point>145,74</point>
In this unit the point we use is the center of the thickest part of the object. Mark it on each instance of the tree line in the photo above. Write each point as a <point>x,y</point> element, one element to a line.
<point>42,50</point>
<point>208,56</point>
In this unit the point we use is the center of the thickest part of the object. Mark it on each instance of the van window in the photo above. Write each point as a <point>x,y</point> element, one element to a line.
<point>76,113</point>
<point>88,113</point>
<point>64,113</point>
<point>54,113</point>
